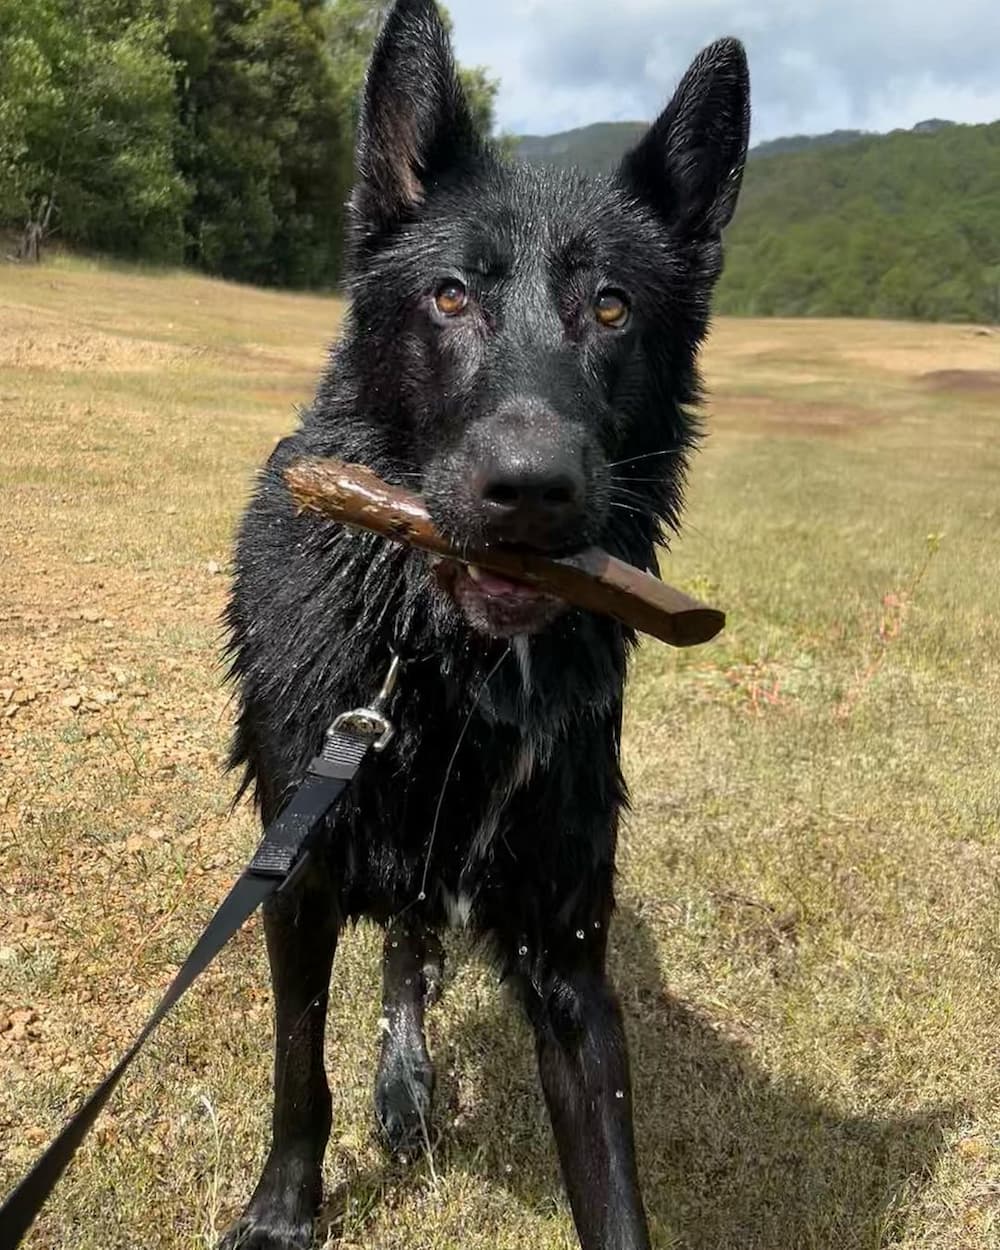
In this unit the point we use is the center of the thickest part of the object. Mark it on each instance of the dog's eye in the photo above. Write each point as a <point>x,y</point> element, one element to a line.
<point>451,298</point>
<point>611,309</point>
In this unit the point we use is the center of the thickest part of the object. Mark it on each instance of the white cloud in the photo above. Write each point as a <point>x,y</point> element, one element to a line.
<point>815,65</point>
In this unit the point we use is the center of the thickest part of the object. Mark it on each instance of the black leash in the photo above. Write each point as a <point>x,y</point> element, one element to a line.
<point>277,862</point>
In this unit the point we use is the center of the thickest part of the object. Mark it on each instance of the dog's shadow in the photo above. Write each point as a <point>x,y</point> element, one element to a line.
<point>730,1158</point>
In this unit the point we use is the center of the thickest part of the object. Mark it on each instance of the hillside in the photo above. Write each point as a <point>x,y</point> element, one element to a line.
<point>598,148</point>
<point>592,148</point>
<point>802,143</point>
<point>904,225</point>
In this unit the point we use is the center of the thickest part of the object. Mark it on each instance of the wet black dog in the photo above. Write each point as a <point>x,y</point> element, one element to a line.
<point>520,348</point>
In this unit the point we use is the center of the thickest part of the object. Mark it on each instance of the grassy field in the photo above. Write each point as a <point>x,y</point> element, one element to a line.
<point>808,947</point>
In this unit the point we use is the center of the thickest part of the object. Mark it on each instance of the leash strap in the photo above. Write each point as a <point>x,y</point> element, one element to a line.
<point>278,860</point>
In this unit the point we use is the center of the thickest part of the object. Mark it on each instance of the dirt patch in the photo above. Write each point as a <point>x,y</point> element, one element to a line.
<point>797,418</point>
<point>965,381</point>
<point>65,348</point>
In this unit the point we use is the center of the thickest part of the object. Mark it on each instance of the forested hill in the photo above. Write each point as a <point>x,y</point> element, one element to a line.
<point>901,225</point>
<point>591,148</point>
<point>599,147</point>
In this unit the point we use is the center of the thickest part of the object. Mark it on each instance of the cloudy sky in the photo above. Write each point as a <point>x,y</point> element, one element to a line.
<point>816,65</point>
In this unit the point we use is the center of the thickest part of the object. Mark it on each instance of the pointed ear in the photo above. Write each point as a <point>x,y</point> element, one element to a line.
<point>689,165</point>
<point>415,121</point>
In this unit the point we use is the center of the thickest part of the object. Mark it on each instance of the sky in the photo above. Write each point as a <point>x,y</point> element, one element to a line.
<point>815,65</point>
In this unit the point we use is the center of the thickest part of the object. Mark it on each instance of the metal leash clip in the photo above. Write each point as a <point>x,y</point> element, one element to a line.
<point>371,722</point>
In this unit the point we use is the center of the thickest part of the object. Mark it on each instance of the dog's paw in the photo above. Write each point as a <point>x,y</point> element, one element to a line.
<point>282,1211</point>
<point>250,1233</point>
<point>404,1093</point>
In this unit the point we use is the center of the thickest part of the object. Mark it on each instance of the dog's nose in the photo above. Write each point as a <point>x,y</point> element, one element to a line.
<point>530,502</point>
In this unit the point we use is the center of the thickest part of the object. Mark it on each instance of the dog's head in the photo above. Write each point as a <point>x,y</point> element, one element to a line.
<point>526,339</point>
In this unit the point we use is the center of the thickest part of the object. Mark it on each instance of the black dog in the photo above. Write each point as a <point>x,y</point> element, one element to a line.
<point>520,348</point>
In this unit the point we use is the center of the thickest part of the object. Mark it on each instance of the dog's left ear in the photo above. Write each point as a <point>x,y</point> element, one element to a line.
<point>689,165</point>
<point>415,121</point>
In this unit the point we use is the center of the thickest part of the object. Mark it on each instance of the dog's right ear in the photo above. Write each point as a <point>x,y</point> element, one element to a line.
<point>415,122</point>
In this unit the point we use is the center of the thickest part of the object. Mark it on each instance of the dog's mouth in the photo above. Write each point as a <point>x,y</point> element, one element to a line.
<point>500,607</point>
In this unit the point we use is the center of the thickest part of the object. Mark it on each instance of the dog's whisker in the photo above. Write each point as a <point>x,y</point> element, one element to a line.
<point>670,451</point>
<point>622,492</point>
<point>636,505</point>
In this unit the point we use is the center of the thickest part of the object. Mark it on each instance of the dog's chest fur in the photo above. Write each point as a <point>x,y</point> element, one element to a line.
<point>504,769</point>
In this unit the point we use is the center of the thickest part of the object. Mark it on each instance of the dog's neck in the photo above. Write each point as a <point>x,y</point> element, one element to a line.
<point>573,669</point>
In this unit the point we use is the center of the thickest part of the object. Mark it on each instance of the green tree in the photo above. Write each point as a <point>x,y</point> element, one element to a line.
<point>990,283</point>
<point>263,148</point>
<point>269,101</point>
<point>88,125</point>
<point>219,130</point>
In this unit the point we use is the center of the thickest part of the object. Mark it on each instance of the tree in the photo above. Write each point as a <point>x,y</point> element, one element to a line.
<point>263,145</point>
<point>990,279</point>
<point>269,103</point>
<point>87,126</point>
<point>217,130</point>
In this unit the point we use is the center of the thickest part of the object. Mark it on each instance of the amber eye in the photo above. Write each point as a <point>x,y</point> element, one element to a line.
<point>611,309</point>
<point>451,298</point>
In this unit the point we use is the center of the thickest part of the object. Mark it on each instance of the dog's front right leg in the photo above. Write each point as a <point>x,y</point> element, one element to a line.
<point>301,929</point>
<point>412,970</point>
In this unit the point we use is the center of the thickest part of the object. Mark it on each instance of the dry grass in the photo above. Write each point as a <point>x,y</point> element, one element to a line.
<point>809,939</point>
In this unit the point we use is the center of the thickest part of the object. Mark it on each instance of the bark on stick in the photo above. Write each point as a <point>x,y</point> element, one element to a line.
<point>592,579</point>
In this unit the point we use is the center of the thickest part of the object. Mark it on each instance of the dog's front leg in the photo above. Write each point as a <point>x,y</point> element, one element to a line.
<point>301,929</point>
<point>583,1063</point>
<point>412,969</point>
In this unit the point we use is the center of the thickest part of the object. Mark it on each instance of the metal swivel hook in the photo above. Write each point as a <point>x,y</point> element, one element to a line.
<point>371,722</point>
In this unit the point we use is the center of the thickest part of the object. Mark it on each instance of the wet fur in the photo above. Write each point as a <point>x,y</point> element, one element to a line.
<point>523,845</point>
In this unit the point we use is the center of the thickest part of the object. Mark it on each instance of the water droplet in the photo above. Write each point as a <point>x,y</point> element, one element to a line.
<point>509,1168</point>
<point>580,934</point>
<point>394,945</point>
<point>597,924</point>
<point>619,1093</point>
<point>522,950</point>
<point>421,897</point>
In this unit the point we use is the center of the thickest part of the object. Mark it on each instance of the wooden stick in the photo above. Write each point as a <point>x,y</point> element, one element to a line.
<point>592,579</point>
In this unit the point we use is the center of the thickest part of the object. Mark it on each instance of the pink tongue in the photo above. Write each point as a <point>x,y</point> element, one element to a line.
<point>491,584</point>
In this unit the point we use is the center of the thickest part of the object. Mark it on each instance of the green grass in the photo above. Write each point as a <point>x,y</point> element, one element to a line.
<point>809,933</point>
